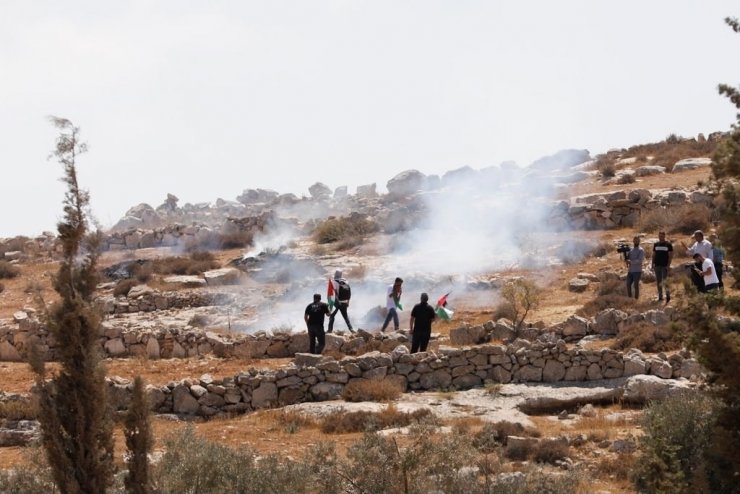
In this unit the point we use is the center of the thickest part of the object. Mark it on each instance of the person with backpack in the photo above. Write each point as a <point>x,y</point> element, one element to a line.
<point>344,293</point>
<point>314,317</point>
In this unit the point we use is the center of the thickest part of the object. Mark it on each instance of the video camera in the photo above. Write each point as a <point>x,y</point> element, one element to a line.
<point>624,249</point>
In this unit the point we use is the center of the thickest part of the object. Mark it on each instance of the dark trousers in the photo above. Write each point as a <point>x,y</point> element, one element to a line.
<point>316,334</point>
<point>340,307</point>
<point>696,278</point>
<point>633,279</point>
<point>392,314</point>
<point>420,341</point>
<point>719,268</point>
<point>661,277</point>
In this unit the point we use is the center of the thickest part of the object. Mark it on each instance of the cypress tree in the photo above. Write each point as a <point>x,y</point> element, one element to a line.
<point>76,425</point>
<point>139,441</point>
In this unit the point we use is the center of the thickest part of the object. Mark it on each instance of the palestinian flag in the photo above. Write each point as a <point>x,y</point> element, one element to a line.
<point>443,312</point>
<point>330,294</point>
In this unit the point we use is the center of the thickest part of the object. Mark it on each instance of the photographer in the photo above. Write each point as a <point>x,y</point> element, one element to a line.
<point>634,259</point>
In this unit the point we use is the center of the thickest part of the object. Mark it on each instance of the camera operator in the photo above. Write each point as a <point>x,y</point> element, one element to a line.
<point>634,260</point>
<point>707,271</point>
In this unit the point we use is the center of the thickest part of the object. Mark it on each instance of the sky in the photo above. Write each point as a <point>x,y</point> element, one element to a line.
<point>206,99</point>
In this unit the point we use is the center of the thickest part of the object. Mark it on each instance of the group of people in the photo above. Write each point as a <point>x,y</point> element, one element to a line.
<point>420,323</point>
<point>706,270</point>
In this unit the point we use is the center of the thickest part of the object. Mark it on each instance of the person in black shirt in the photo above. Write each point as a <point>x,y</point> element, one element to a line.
<point>314,317</point>
<point>420,328</point>
<point>662,258</point>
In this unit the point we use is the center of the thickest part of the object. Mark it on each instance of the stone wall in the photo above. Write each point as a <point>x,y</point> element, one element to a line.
<point>319,378</point>
<point>620,209</point>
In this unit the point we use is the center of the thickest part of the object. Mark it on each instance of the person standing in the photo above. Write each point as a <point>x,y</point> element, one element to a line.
<point>662,258</point>
<point>393,303</point>
<point>314,317</point>
<point>635,258</point>
<point>420,325</point>
<point>711,282</point>
<point>718,258</point>
<point>700,246</point>
<point>344,293</point>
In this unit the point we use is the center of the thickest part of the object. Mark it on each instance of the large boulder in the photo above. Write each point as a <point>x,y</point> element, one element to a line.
<point>223,276</point>
<point>642,388</point>
<point>406,182</point>
<point>691,164</point>
<point>319,191</point>
<point>608,321</point>
<point>467,335</point>
<point>256,196</point>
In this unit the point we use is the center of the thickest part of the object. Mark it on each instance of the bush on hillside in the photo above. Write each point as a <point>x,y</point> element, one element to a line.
<point>648,337</point>
<point>124,286</point>
<point>685,218</point>
<point>372,390</point>
<point>676,437</point>
<point>365,421</point>
<point>345,227</point>
<point>8,270</point>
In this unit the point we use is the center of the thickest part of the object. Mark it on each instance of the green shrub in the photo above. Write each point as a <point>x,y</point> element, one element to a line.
<point>8,270</point>
<point>676,436</point>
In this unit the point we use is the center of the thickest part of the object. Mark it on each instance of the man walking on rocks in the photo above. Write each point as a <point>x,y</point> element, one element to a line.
<point>662,258</point>
<point>344,292</point>
<point>634,260</point>
<point>393,303</point>
<point>314,317</point>
<point>420,325</point>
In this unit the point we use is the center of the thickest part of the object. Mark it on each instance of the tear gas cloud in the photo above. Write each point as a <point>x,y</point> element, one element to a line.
<point>476,224</point>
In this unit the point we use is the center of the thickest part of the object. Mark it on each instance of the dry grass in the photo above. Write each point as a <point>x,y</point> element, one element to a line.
<point>344,228</point>
<point>364,421</point>
<point>372,390</point>
<point>685,219</point>
<point>550,451</point>
<point>648,337</point>
<point>617,468</point>
<point>124,286</point>
<point>18,410</point>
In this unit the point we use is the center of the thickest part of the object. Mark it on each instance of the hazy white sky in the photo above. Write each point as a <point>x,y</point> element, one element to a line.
<point>204,99</point>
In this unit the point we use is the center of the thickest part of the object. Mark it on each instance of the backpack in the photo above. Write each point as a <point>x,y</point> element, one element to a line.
<point>344,292</point>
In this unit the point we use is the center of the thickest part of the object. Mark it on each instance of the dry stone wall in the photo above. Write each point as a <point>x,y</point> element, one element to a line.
<point>622,208</point>
<point>317,378</point>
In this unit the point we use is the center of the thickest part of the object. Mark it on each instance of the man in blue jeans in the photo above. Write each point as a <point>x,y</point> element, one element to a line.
<point>634,260</point>
<point>393,303</point>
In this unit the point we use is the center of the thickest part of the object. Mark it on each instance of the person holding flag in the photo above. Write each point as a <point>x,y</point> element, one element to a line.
<point>420,325</point>
<point>393,303</point>
<point>441,308</point>
<point>339,293</point>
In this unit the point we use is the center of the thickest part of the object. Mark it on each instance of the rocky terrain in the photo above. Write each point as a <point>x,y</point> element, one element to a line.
<point>223,344</point>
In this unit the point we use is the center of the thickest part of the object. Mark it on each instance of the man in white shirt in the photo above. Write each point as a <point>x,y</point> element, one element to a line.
<point>711,282</point>
<point>700,246</point>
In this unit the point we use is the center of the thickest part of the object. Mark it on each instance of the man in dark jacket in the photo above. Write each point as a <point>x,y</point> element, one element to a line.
<point>344,292</point>
<point>314,317</point>
<point>420,325</point>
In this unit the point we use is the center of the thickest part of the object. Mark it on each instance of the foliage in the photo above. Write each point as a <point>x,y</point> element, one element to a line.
<point>124,286</point>
<point>648,337</point>
<point>139,440</point>
<point>677,431</point>
<point>19,410</point>
<point>345,227</point>
<point>76,426</point>
<point>522,296</point>
<point>8,270</point>
<point>717,339</point>
<point>364,421</point>
<point>685,219</point>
